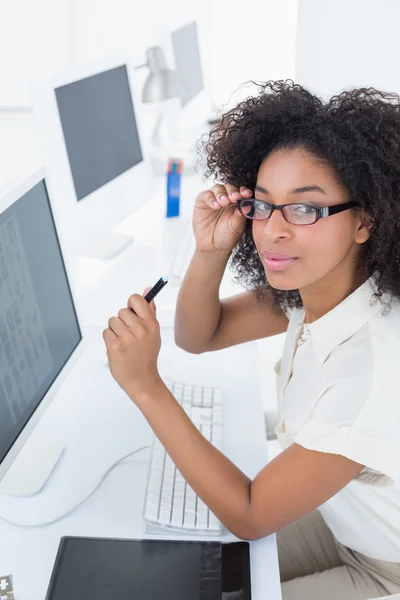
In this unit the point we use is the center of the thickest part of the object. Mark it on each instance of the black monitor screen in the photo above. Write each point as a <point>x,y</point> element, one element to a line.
<point>187,60</point>
<point>39,328</point>
<point>99,126</point>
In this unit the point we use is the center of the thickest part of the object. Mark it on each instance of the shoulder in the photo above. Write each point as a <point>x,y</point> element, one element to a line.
<point>371,356</point>
<point>357,407</point>
<point>363,371</point>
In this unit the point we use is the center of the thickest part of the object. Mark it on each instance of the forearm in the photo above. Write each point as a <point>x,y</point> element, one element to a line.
<point>214,478</point>
<point>198,307</point>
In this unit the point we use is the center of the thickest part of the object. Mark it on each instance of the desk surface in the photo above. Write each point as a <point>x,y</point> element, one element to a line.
<point>95,419</point>
<point>115,509</point>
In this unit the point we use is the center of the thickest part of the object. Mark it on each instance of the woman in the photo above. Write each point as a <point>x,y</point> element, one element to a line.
<point>309,213</point>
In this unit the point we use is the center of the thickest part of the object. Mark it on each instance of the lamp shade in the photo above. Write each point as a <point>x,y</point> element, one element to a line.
<point>161,83</point>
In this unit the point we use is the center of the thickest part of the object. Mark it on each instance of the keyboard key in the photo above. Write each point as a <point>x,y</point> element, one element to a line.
<point>165,517</point>
<point>217,397</point>
<point>213,523</point>
<point>206,431</point>
<point>201,522</point>
<point>151,511</point>
<point>177,517</point>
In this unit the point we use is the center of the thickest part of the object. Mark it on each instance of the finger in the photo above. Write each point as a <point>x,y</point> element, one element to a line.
<point>221,194</point>
<point>233,192</point>
<point>108,336</point>
<point>245,191</point>
<point>147,289</point>
<point>212,201</point>
<point>151,304</point>
<point>127,316</point>
<point>218,189</point>
<point>141,307</point>
<point>117,326</point>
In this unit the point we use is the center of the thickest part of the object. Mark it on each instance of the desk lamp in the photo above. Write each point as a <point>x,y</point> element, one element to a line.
<point>161,84</point>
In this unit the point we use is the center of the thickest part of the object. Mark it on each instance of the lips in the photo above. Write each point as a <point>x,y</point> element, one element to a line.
<point>276,256</point>
<point>276,261</point>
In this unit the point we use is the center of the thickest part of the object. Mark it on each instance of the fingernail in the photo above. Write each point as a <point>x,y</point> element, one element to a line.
<point>223,198</point>
<point>215,203</point>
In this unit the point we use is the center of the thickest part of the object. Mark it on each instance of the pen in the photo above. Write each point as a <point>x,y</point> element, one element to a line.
<point>157,287</point>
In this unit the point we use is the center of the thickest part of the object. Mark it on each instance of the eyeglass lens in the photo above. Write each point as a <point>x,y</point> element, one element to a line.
<point>298,214</point>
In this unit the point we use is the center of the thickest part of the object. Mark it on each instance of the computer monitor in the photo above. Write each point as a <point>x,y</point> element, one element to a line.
<point>180,41</point>
<point>185,44</point>
<point>40,336</point>
<point>89,123</point>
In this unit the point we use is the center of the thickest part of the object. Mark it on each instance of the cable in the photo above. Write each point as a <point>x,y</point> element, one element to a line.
<point>45,523</point>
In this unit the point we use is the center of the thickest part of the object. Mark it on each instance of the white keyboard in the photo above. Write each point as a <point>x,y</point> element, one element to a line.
<point>170,503</point>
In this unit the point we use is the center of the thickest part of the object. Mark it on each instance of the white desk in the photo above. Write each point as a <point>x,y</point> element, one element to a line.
<point>90,423</point>
<point>97,422</point>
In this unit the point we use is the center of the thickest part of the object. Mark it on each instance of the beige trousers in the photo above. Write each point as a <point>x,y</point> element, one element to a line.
<point>315,566</point>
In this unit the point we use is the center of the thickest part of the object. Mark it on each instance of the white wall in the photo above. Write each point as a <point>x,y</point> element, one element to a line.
<point>109,26</point>
<point>348,43</point>
<point>29,47</point>
<point>256,41</point>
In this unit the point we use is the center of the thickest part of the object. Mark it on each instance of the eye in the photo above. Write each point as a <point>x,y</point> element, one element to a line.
<point>261,206</point>
<point>303,209</point>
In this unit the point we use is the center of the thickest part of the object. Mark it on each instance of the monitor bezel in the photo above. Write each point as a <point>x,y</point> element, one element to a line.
<point>9,194</point>
<point>78,215</point>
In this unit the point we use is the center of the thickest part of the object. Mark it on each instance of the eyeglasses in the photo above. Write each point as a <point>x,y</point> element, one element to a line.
<point>296,214</point>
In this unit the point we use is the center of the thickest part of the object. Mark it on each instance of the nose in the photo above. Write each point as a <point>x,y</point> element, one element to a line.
<point>276,226</point>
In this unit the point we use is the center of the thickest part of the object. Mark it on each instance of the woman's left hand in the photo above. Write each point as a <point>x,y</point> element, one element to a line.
<point>133,343</point>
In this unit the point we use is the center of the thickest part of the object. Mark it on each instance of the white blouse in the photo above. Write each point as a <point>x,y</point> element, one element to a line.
<point>338,387</point>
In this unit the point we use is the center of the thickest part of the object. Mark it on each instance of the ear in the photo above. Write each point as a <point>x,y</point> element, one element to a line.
<point>364,228</point>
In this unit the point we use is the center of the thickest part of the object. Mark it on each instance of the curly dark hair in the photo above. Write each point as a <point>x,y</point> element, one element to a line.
<point>356,132</point>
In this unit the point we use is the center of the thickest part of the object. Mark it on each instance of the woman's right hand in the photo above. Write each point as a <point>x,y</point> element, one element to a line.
<point>217,222</point>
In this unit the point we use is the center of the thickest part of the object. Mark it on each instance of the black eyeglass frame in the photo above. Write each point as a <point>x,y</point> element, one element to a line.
<point>321,211</point>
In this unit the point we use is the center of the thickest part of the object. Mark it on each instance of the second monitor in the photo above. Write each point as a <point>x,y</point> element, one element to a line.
<point>180,41</point>
<point>88,123</point>
<point>186,51</point>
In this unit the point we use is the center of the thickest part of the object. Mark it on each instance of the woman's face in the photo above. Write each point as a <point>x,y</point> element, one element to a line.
<point>328,247</point>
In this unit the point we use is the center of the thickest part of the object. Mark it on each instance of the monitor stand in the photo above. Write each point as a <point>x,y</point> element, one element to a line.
<point>32,467</point>
<point>108,246</point>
